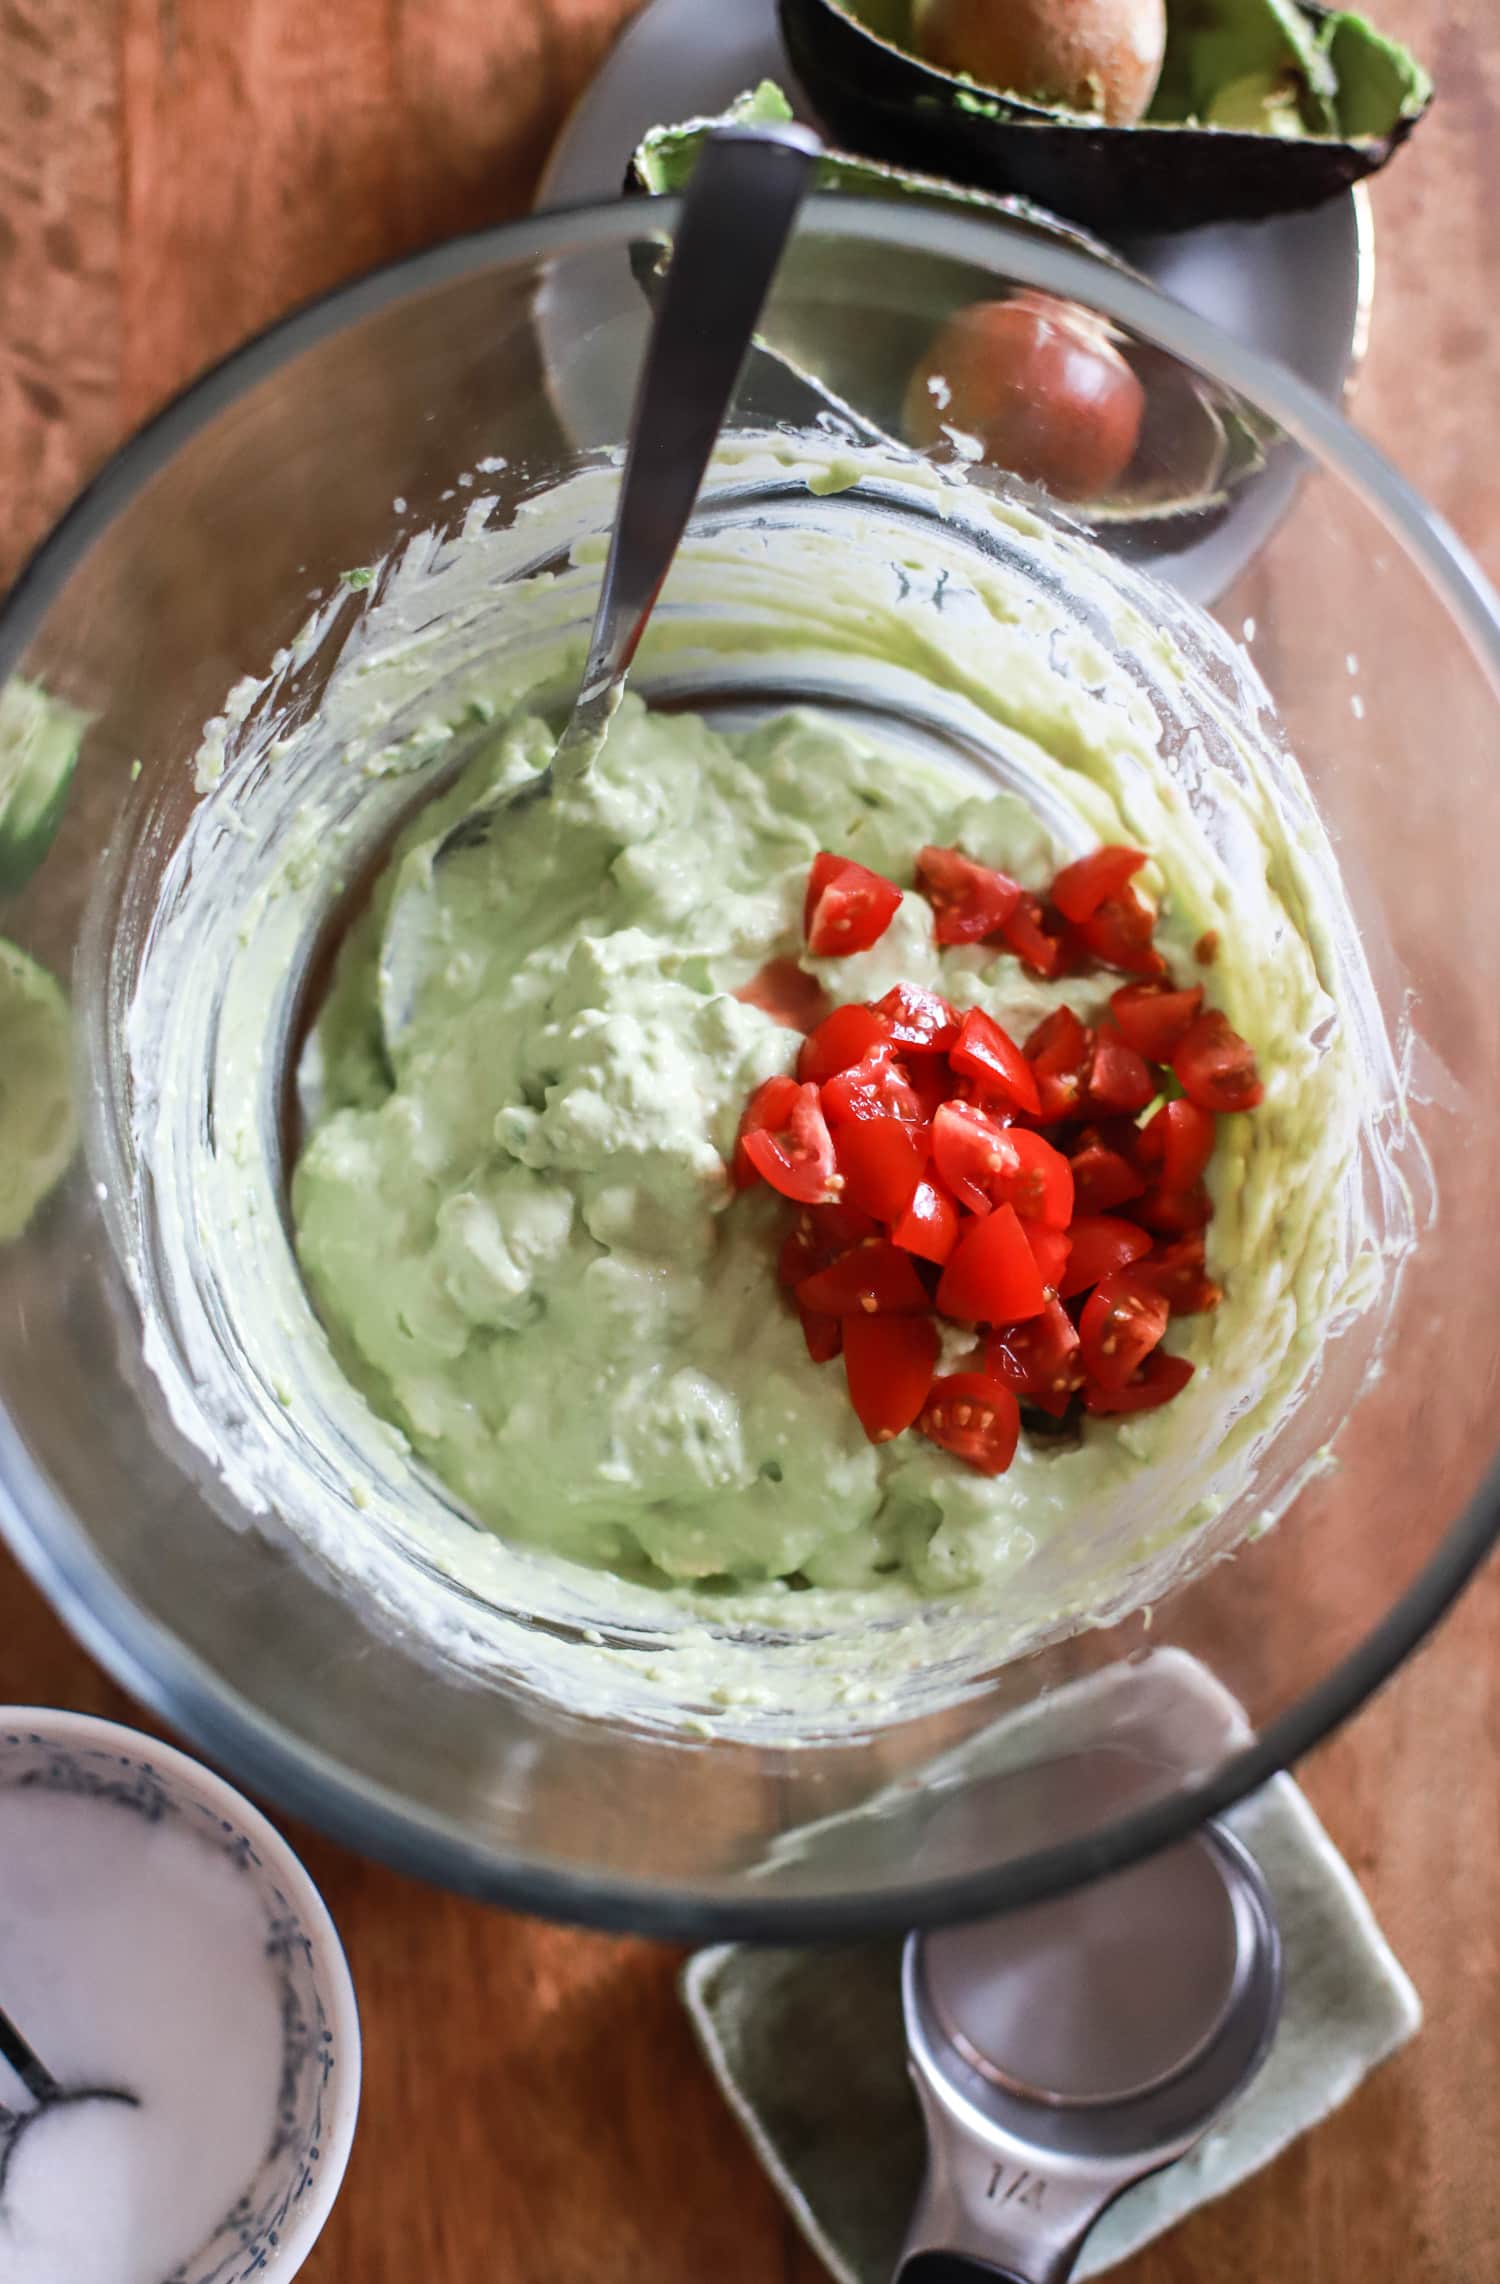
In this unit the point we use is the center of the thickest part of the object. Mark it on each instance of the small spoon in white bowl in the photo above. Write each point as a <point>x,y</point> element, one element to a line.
<point>47,2093</point>
<point>737,215</point>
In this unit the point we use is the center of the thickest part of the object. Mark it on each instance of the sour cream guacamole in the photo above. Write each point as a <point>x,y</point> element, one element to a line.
<point>523,1328</point>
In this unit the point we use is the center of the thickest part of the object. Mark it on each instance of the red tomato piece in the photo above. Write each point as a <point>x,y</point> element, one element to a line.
<point>1118,935</point>
<point>1173,1213</point>
<point>1120,1080</point>
<point>819,1235</point>
<point>1153,1018</point>
<point>841,1039</point>
<point>1049,1249</point>
<point>1179,1273</point>
<point>1033,943</point>
<point>847,907</point>
<point>974,1416</point>
<point>991,1276</point>
<point>1122,1321</point>
<point>983,1051</point>
<point>770,1105</point>
<point>917,1022</point>
<point>875,1087</point>
<point>1101,1245</point>
<point>1103,1178</point>
<point>1040,1359</point>
<point>787,994</point>
<point>1041,1187</point>
<point>929,1226</point>
<point>969,901</point>
<point>1060,1050</point>
<point>1160,1378</point>
<point>889,1362</point>
<point>931,1082</point>
<point>794,1152</point>
<point>881,1160</point>
<point>1080,888</point>
<point>1177,1143</point>
<point>872,1278</point>
<point>1216,1066</point>
<point>970,1152</point>
<point>824,1334</point>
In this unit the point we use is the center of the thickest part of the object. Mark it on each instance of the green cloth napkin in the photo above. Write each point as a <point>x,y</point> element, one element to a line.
<point>810,2051</point>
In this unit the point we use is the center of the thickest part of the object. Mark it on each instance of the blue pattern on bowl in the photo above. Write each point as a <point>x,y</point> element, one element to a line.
<point>246,2240</point>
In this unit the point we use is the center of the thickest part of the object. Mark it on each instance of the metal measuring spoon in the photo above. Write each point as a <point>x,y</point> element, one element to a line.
<point>47,2093</point>
<point>1062,2053</point>
<point>737,214</point>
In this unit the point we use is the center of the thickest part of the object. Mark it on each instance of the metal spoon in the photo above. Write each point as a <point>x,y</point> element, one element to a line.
<point>737,215</point>
<point>47,2092</point>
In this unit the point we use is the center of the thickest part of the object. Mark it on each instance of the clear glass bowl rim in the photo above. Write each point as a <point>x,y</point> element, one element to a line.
<point>152,1665</point>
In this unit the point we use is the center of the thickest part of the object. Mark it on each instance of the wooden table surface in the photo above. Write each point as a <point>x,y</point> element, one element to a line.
<point>173,173</point>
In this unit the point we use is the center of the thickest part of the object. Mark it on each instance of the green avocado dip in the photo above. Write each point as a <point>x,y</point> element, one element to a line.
<point>506,1353</point>
<point>526,1247</point>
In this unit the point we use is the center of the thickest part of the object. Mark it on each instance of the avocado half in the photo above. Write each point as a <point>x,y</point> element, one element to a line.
<point>1263,107</point>
<point>849,326</point>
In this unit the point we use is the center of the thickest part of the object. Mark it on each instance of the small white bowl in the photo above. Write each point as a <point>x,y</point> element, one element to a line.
<point>278,2220</point>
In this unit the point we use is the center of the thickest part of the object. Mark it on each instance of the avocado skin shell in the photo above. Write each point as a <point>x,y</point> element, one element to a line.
<point>1120,180</point>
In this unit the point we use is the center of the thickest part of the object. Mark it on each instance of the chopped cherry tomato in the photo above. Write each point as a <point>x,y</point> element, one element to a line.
<point>787,994</point>
<point>889,1362</point>
<point>1081,888</point>
<point>1178,1272</point>
<point>1216,1066</point>
<point>917,1022</point>
<point>881,1160</point>
<point>1119,1078</point>
<point>1160,1378</point>
<point>931,1082</point>
<point>1049,1249</point>
<point>929,1226</point>
<point>1103,1178</point>
<point>1060,1051</point>
<point>819,1235</point>
<point>1172,1213</point>
<point>1122,1322</point>
<point>1041,1188</point>
<point>983,1051</point>
<point>1033,944</point>
<point>824,1334</point>
<point>876,1087</point>
<point>974,1416</point>
<point>991,1276</point>
<point>1177,1143</point>
<point>847,907</point>
<point>842,1038</point>
<point>792,1149</point>
<point>1119,935</point>
<point>770,1105</point>
<point>969,901</point>
<point>871,1278</point>
<point>1153,1017</point>
<point>1101,1245</point>
<point>1039,1359</point>
<point>967,1149</point>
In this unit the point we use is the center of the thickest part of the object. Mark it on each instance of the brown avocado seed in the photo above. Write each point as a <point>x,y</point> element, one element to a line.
<point>1098,56</point>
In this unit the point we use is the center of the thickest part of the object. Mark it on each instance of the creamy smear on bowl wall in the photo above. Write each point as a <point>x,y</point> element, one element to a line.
<point>520,1338</point>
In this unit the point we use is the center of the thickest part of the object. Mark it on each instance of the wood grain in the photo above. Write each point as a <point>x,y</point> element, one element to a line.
<point>173,173</point>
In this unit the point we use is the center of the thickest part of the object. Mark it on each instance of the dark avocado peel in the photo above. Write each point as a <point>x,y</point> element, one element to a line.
<point>1263,107</point>
<point>844,333</point>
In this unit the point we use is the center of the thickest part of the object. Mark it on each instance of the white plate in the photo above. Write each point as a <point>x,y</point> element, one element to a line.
<point>1296,287</point>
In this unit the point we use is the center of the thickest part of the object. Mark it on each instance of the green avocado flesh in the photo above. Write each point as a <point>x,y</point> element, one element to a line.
<point>1264,66</point>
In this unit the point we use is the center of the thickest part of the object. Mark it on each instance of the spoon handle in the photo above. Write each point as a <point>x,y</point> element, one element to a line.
<point>26,2062</point>
<point>737,215</point>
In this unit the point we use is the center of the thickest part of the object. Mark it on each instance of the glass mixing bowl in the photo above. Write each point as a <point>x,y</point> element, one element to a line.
<point>245,534</point>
